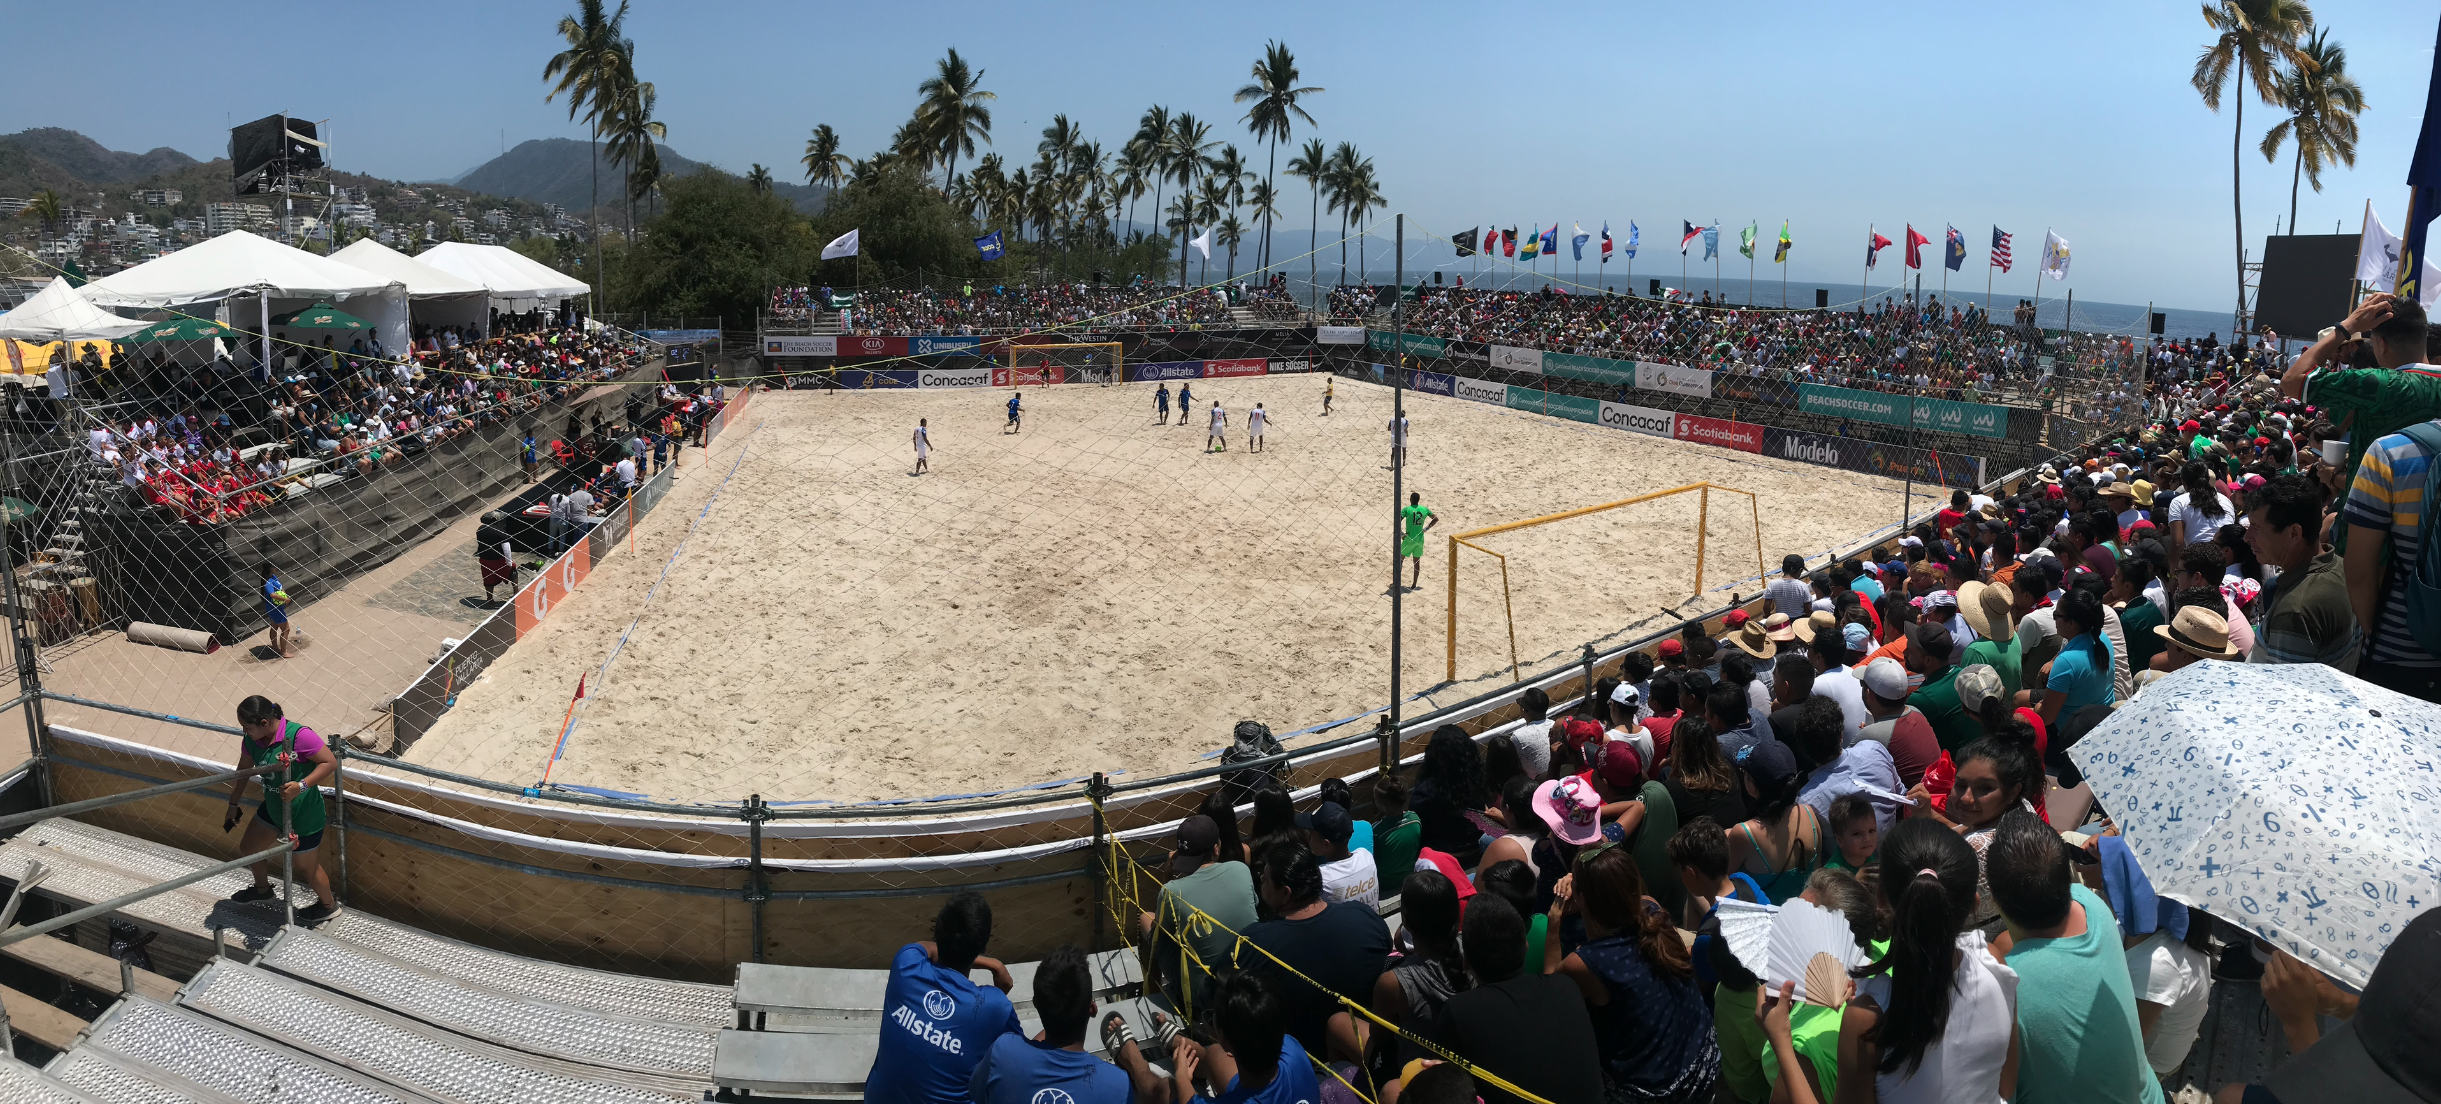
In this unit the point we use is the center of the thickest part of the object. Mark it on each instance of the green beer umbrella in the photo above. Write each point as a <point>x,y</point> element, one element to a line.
<point>180,329</point>
<point>320,316</point>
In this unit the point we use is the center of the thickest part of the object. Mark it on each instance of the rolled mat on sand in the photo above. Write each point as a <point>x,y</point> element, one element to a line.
<point>163,636</point>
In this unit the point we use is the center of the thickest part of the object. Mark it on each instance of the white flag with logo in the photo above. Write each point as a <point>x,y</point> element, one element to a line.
<point>842,246</point>
<point>1203,243</point>
<point>2377,253</point>
<point>2055,256</point>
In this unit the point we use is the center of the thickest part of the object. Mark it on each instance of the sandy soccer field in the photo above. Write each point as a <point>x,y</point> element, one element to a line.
<point>1094,591</point>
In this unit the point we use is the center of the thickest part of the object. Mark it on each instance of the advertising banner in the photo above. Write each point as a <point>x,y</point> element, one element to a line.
<point>1472,390</point>
<point>929,346</point>
<point>1339,335</point>
<point>1416,344</point>
<point>1720,432</point>
<point>1279,366</point>
<point>1558,406</point>
<point>953,377</point>
<point>1433,382</point>
<point>1891,461</point>
<point>1570,366</point>
<point>1973,419</point>
<point>876,377</point>
<point>1673,379</point>
<point>1474,351</point>
<point>1945,415</point>
<point>1517,360</point>
<point>1033,375</point>
<point>1216,369</point>
<point>872,346</point>
<point>552,586</point>
<point>1639,419</point>
<point>697,337</point>
<point>822,345</point>
<point>1166,370</point>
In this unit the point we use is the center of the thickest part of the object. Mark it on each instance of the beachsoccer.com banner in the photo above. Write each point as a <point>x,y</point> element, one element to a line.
<point>1944,415</point>
<point>1946,469</point>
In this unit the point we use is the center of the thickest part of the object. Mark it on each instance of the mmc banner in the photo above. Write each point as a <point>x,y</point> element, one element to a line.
<point>1945,469</point>
<point>1945,415</point>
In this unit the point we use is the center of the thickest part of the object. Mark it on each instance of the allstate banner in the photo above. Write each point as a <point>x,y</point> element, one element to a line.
<point>1414,344</point>
<point>1167,370</point>
<point>861,378</point>
<point>927,346</point>
<point>1339,335</point>
<point>1517,360</point>
<point>1433,382</point>
<point>823,345</point>
<point>1596,369</point>
<point>1945,415</point>
<point>1673,379</point>
<point>1945,469</point>
<point>953,377</point>
<point>1474,390</point>
<point>1639,419</point>
<point>1558,406</point>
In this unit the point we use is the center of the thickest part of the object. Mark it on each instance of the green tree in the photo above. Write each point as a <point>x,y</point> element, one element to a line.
<point>2323,102</point>
<point>1151,144</point>
<point>953,111</point>
<point>907,228</point>
<point>590,72</point>
<point>542,249</point>
<point>1274,93</point>
<point>46,210</point>
<point>823,161</point>
<point>1313,163</point>
<point>759,179</point>
<point>2253,37</point>
<point>1187,144</point>
<point>717,248</point>
<point>632,132</point>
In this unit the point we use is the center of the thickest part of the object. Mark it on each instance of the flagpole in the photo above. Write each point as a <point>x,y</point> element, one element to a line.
<point>2038,284</point>
<point>1867,285</point>
<point>1750,244</point>
<point>1720,291</point>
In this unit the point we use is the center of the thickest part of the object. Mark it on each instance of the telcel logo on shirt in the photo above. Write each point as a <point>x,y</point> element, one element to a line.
<point>939,1006</point>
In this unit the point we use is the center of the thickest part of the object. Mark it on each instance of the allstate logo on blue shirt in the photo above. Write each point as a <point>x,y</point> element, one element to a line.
<point>939,1005</point>
<point>1052,1096</point>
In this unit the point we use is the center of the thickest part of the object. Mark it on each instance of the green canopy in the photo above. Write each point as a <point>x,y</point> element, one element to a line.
<point>320,316</point>
<point>17,509</point>
<point>180,329</point>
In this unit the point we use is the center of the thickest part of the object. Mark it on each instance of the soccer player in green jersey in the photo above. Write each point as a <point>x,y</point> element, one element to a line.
<point>1418,517</point>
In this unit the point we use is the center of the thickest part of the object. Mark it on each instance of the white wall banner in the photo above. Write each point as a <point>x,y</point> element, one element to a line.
<point>953,377</point>
<point>1279,366</point>
<point>825,345</point>
<point>1639,419</point>
<point>1673,379</point>
<point>1517,360</point>
<point>1496,394</point>
<point>1339,335</point>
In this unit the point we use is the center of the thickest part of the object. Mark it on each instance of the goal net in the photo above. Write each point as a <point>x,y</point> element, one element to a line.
<point>1068,362</point>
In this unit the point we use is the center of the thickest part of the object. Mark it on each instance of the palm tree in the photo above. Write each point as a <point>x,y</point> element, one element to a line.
<point>1339,180</point>
<point>1134,170</point>
<point>1230,232</point>
<point>822,159</point>
<point>1060,139</point>
<point>1187,142</point>
<point>2255,37</point>
<point>759,179</point>
<point>644,181</point>
<point>2322,102</point>
<point>46,210</point>
<point>1275,94</point>
<point>953,108</point>
<point>912,143</point>
<point>632,131</point>
<point>1212,202</point>
<point>590,71</point>
<point>1152,139</point>
<point>1312,163</point>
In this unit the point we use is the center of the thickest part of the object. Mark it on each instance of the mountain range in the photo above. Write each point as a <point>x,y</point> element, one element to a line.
<point>558,170</point>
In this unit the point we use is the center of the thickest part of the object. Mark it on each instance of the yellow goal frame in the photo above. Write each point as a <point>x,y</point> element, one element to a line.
<point>1118,354</point>
<point>1703,518</point>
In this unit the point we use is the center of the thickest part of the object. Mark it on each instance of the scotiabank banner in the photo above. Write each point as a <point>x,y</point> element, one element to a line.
<point>1214,369</point>
<point>824,345</point>
<point>1029,376</point>
<point>1433,382</point>
<point>1166,370</point>
<point>1720,432</point>
<point>953,377</point>
<point>1891,461</point>
<point>1640,419</point>
<point>872,346</point>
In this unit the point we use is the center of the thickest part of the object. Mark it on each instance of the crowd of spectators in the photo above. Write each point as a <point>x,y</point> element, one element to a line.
<point>1883,739</point>
<point>969,309</point>
<point>794,303</point>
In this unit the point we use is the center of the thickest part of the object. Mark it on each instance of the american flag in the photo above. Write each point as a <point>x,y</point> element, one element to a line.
<point>2000,249</point>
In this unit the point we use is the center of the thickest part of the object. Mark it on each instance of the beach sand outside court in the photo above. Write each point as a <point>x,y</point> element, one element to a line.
<point>1094,592</point>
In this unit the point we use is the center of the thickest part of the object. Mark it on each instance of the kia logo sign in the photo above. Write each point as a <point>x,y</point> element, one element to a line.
<point>871,345</point>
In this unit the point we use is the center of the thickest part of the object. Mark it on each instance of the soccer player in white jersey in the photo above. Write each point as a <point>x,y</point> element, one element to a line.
<point>1255,420</point>
<point>1398,440</point>
<point>923,448</point>
<point>1218,439</point>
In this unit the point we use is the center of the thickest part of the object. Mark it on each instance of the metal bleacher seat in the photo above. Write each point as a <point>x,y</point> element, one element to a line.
<point>23,1084</point>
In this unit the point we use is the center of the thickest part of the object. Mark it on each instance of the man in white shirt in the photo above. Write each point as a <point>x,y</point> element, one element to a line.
<point>626,467</point>
<point>1347,875</point>
<point>1398,440</point>
<point>1255,420</point>
<point>1828,645</point>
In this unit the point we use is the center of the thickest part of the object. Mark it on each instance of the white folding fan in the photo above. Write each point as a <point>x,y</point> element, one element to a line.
<point>1813,947</point>
<point>1746,928</point>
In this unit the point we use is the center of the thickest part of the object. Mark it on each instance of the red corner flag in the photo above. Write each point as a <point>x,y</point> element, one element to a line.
<point>1915,259</point>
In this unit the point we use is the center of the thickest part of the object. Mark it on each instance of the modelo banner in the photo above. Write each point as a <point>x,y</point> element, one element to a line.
<point>1218,369</point>
<point>1028,375</point>
<point>1866,457</point>
<point>825,345</point>
<point>1720,432</point>
<point>1945,415</point>
<point>929,346</point>
<point>1596,369</point>
<point>1339,335</point>
<point>862,378</point>
<point>1517,360</point>
<point>1639,419</point>
<point>1432,382</point>
<point>1473,390</point>
<point>953,377</point>
<point>872,346</point>
<point>1167,370</point>
<point>1414,344</point>
<point>1673,379</point>
<point>1558,406</point>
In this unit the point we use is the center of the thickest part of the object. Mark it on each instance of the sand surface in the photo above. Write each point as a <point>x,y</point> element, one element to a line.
<point>1095,591</point>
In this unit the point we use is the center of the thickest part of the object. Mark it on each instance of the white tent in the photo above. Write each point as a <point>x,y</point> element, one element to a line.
<point>435,298</point>
<point>517,282</point>
<point>278,277</point>
<point>59,313</point>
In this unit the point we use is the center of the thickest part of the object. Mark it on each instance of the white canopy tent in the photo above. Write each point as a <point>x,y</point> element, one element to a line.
<point>59,313</point>
<point>434,297</point>
<point>518,283</point>
<point>278,277</point>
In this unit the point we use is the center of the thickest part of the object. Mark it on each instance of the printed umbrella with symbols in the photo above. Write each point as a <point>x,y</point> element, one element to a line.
<point>2292,800</point>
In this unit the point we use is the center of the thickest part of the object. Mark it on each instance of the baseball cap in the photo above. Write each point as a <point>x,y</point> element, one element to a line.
<point>2383,1054</point>
<point>1198,835</point>
<point>1733,619</point>
<point>1930,640</point>
<point>1769,763</point>
<point>1620,765</point>
<point>1328,820</point>
<point>1858,637</point>
<point>1571,808</point>
<point>1886,679</point>
<point>1977,685</point>
<point>1672,647</point>
<point>1624,695</point>
<point>1577,730</point>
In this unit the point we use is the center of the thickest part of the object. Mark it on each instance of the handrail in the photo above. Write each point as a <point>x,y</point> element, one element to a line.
<point>70,919</point>
<point>90,804</point>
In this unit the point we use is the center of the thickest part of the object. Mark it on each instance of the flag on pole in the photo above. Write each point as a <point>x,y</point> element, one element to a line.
<point>989,246</point>
<point>1712,240</point>
<point>1955,250</point>
<point>1873,249</point>
<point>1508,242</point>
<point>842,246</point>
<point>1577,243</point>
<point>2424,198</point>
<point>1533,246</point>
<point>1746,242</point>
<point>2377,253</point>
<point>2055,256</point>
<point>1915,244</point>
<point>1780,255</point>
<point>1632,237</point>
<point>1464,243</point>
<point>2000,250</point>
<point>1551,241</point>
<point>1688,232</point>
<point>1491,241</point>
<point>1203,243</point>
<point>1606,241</point>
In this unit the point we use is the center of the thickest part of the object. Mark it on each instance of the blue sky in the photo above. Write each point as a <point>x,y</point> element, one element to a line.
<point>2074,116</point>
